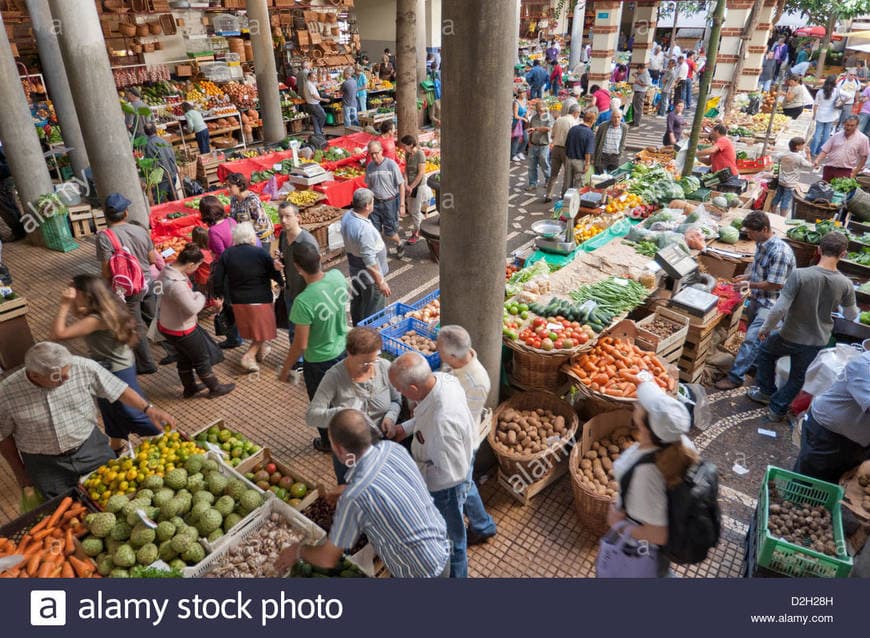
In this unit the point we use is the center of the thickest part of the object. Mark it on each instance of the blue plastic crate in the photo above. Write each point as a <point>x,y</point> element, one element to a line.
<point>421,303</point>
<point>395,348</point>
<point>386,317</point>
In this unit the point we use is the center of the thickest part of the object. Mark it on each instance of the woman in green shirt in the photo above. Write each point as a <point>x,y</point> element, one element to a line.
<point>108,330</point>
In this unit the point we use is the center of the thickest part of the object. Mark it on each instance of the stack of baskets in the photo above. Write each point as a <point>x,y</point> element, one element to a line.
<point>535,369</point>
<point>524,475</point>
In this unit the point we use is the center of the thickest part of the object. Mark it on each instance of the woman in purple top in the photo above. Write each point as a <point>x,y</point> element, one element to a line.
<point>220,227</point>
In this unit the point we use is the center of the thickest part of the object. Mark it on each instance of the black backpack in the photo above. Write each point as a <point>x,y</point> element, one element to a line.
<point>694,519</point>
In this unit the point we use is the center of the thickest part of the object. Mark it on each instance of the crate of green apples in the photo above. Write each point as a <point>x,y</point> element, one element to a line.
<point>269,473</point>
<point>233,446</point>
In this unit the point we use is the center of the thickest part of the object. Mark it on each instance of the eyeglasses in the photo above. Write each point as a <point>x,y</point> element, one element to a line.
<point>370,364</point>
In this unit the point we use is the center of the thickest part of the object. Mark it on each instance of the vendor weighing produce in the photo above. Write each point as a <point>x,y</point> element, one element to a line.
<point>721,154</point>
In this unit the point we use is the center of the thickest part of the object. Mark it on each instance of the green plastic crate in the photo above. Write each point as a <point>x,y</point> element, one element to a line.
<point>700,195</point>
<point>625,169</point>
<point>56,233</point>
<point>792,560</point>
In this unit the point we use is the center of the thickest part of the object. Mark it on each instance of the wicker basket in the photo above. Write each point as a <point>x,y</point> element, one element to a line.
<point>809,212</point>
<point>513,464</point>
<point>804,253</point>
<point>128,30</point>
<point>142,30</point>
<point>592,507</point>
<point>155,28</point>
<point>539,370</point>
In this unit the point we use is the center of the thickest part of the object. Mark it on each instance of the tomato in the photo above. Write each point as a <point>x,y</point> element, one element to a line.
<point>536,343</point>
<point>559,344</point>
<point>547,345</point>
<point>560,318</point>
<point>568,343</point>
<point>582,338</point>
<point>538,321</point>
<point>566,324</point>
<point>575,325</point>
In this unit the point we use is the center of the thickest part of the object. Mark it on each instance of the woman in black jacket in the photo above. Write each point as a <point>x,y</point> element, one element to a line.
<point>245,273</point>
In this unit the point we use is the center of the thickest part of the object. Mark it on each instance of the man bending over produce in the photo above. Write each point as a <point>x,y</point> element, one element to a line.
<point>771,266</point>
<point>805,305</point>
<point>845,153</point>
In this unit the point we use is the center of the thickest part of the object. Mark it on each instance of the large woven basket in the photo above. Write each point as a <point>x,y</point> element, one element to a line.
<point>539,370</point>
<point>513,464</point>
<point>591,507</point>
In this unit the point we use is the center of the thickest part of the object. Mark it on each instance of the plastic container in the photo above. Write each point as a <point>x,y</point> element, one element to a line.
<point>390,315</point>
<point>423,302</point>
<point>792,560</point>
<point>56,233</point>
<point>393,346</point>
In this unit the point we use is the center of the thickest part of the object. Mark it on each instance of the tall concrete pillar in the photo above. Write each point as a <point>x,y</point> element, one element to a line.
<point>643,28</point>
<point>577,43</point>
<point>266,72</point>
<point>756,48</point>
<point>729,45</point>
<point>421,40</point>
<point>58,86</point>
<point>478,43</point>
<point>97,104</point>
<point>20,142</point>
<point>406,71</point>
<point>605,36</point>
<point>433,23</point>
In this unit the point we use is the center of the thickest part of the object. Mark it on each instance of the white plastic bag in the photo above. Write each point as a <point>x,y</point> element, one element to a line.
<point>827,367</point>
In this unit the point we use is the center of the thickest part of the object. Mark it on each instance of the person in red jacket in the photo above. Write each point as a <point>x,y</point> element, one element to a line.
<point>556,78</point>
<point>690,62</point>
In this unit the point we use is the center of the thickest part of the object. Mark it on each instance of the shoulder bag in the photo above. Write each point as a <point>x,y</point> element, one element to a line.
<point>619,556</point>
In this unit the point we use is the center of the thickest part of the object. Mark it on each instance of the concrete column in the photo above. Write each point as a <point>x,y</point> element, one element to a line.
<point>20,142</point>
<point>643,28</point>
<point>406,73</point>
<point>58,86</point>
<point>433,23</point>
<point>267,75</point>
<point>421,40</point>
<point>756,48</point>
<point>729,44</point>
<point>605,36</point>
<point>97,104</point>
<point>479,40</point>
<point>577,43</point>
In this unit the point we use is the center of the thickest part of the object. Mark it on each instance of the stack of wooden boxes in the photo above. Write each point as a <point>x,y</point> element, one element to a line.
<point>206,169</point>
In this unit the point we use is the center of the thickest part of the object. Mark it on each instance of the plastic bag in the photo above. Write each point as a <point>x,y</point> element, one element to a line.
<point>31,498</point>
<point>827,367</point>
<point>694,397</point>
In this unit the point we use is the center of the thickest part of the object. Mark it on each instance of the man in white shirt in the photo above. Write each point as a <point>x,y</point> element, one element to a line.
<point>682,78</point>
<point>848,87</point>
<point>443,444</point>
<point>676,53</point>
<point>458,359</point>
<point>656,64</point>
<point>313,104</point>
<point>557,154</point>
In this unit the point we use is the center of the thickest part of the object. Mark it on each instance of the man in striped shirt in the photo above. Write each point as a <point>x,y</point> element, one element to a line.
<point>385,499</point>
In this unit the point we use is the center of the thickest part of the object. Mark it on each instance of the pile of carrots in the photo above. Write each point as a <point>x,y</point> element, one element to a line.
<point>48,548</point>
<point>612,366</point>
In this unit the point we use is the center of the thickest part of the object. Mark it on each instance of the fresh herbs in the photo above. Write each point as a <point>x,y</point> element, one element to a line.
<point>844,185</point>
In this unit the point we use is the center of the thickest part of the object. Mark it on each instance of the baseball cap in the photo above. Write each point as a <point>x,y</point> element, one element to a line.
<point>668,418</point>
<point>117,203</point>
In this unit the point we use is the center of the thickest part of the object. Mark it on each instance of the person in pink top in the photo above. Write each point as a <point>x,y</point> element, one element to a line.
<point>845,153</point>
<point>220,227</point>
<point>602,103</point>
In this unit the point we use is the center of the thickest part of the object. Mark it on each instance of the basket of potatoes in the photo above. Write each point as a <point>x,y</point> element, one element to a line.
<point>604,438</point>
<point>528,427</point>
<point>412,335</point>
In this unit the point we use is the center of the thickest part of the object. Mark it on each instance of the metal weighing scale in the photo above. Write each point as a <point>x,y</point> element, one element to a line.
<point>683,271</point>
<point>308,175</point>
<point>557,235</point>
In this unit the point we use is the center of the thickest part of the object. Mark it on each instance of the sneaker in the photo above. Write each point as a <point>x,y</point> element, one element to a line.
<point>548,199</point>
<point>531,189</point>
<point>320,446</point>
<point>773,417</point>
<point>169,359</point>
<point>400,250</point>
<point>473,538</point>
<point>727,383</point>
<point>229,345</point>
<point>413,239</point>
<point>757,395</point>
<point>522,156</point>
<point>150,370</point>
<point>221,389</point>
<point>515,158</point>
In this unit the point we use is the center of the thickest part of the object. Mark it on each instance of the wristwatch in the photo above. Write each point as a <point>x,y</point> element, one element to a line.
<point>147,407</point>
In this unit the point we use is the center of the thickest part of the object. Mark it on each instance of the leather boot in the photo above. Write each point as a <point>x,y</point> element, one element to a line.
<point>191,387</point>
<point>216,388</point>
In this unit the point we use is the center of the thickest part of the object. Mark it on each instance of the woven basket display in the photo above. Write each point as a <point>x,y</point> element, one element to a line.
<point>510,462</point>
<point>540,370</point>
<point>590,506</point>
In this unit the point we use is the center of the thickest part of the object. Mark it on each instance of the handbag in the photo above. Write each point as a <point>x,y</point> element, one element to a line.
<point>619,558</point>
<point>518,128</point>
<point>224,321</point>
<point>282,319</point>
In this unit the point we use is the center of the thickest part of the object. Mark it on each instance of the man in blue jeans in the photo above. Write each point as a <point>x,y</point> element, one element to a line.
<point>805,305</point>
<point>539,130</point>
<point>460,360</point>
<point>773,263</point>
<point>443,443</point>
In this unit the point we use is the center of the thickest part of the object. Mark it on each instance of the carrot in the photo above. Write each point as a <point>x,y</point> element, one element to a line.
<point>33,564</point>
<point>69,544</point>
<point>45,569</point>
<point>57,532</point>
<point>10,573</point>
<point>25,541</point>
<point>65,504</point>
<point>56,572</point>
<point>42,534</point>
<point>67,571</point>
<point>81,568</point>
<point>39,525</point>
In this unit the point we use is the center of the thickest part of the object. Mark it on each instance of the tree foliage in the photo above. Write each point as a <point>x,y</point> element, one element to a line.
<point>687,8</point>
<point>818,12</point>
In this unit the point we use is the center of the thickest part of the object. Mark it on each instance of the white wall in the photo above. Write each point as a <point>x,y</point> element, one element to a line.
<point>376,20</point>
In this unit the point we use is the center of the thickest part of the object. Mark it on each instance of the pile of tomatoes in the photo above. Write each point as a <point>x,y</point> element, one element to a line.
<point>509,271</point>
<point>555,333</point>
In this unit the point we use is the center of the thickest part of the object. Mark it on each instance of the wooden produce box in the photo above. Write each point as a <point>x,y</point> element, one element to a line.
<point>223,454</point>
<point>670,348</point>
<point>286,469</point>
<point>697,347</point>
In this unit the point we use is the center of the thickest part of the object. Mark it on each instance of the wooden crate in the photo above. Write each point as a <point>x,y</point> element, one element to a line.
<point>12,308</point>
<point>529,490</point>
<point>99,219</point>
<point>80,218</point>
<point>650,341</point>
<point>286,469</point>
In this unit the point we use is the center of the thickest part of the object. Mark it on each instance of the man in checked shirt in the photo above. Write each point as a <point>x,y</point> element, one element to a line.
<point>771,266</point>
<point>48,418</point>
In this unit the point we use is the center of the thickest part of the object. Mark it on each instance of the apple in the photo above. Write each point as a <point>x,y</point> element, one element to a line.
<point>271,468</point>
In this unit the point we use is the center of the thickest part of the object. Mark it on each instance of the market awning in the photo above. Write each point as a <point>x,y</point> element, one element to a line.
<point>689,34</point>
<point>861,48</point>
<point>816,32</point>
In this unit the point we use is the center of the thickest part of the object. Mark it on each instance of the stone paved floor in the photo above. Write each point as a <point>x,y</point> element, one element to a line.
<point>543,539</point>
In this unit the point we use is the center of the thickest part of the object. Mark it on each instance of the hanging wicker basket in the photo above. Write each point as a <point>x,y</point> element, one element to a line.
<point>155,28</point>
<point>142,30</point>
<point>128,30</point>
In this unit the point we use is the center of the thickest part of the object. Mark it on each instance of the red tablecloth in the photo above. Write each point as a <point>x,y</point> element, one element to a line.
<point>248,166</point>
<point>340,194</point>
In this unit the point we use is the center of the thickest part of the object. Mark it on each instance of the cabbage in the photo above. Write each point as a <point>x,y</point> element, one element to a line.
<point>729,235</point>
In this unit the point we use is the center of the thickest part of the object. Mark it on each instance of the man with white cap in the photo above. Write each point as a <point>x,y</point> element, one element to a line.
<point>658,459</point>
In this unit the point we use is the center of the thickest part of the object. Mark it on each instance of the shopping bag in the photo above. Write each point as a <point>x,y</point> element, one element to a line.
<point>282,320</point>
<point>827,367</point>
<point>621,557</point>
<point>629,114</point>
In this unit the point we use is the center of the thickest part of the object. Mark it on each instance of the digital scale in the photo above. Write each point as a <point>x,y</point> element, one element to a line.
<point>557,236</point>
<point>683,271</point>
<point>308,175</point>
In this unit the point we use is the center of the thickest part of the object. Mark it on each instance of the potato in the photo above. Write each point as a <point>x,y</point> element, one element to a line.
<point>607,464</point>
<point>590,454</point>
<point>585,464</point>
<point>512,437</point>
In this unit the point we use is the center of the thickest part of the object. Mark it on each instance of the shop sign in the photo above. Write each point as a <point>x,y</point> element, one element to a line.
<point>603,15</point>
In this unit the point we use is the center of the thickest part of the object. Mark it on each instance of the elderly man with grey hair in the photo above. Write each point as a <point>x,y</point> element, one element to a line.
<point>366,258</point>
<point>443,433</point>
<point>558,159</point>
<point>460,360</point>
<point>385,179</point>
<point>48,418</point>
